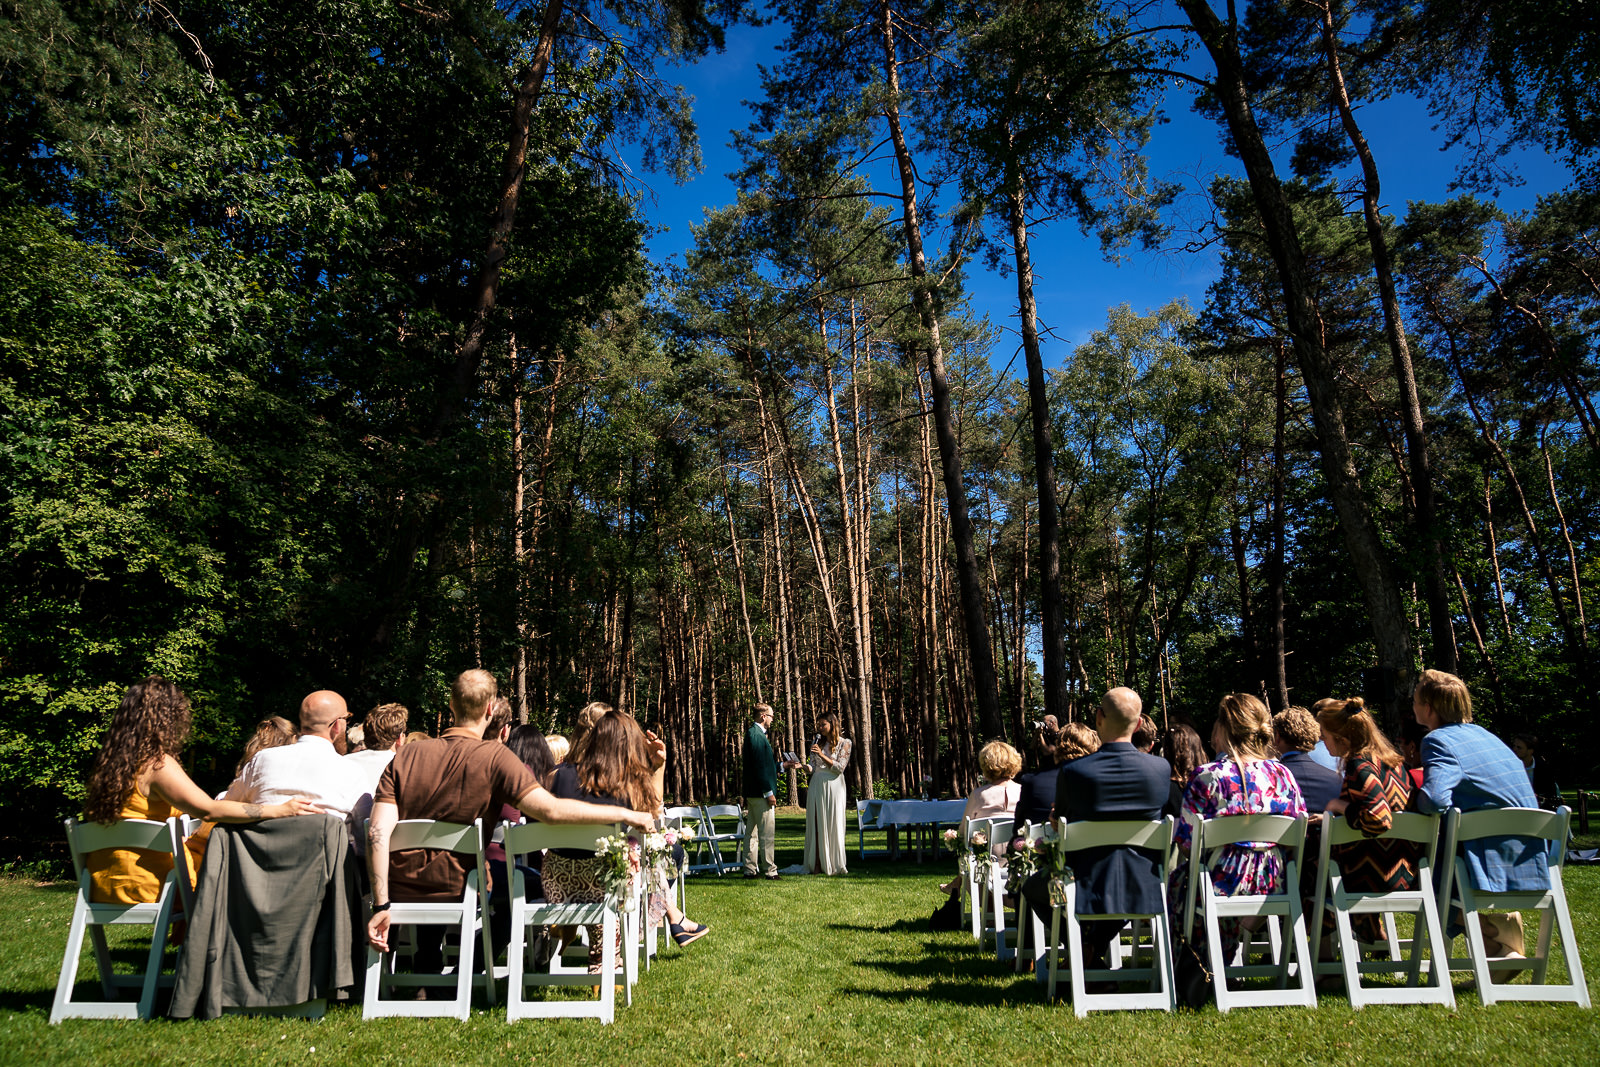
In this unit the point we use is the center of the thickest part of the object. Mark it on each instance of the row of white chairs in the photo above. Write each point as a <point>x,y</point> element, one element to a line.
<point>712,838</point>
<point>388,990</point>
<point>1292,955</point>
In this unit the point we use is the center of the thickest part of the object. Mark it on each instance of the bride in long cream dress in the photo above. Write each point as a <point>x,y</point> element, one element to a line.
<point>825,833</point>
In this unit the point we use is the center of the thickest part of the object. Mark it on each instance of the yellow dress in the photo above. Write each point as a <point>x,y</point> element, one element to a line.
<point>131,875</point>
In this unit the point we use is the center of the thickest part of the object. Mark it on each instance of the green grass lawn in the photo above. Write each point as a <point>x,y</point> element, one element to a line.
<point>806,970</point>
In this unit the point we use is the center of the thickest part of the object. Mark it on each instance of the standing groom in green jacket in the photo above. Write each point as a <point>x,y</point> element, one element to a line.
<point>760,794</point>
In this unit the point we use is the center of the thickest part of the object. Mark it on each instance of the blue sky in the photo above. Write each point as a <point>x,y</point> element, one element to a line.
<point>1074,285</point>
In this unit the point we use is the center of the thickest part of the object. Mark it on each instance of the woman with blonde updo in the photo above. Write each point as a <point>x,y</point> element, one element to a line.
<point>1243,780</point>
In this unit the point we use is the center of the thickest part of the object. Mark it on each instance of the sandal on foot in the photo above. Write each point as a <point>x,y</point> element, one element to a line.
<point>683,935</point>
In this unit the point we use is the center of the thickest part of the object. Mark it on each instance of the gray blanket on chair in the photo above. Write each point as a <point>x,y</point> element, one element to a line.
<point>277,918</point>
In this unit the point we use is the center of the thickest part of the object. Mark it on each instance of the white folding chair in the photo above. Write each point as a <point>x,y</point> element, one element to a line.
<point>1288,961</point>
<point>973,874</point>
<point>1427,937</point>
<point>715,838</point>
<point>1551,904</point>
<point>681,818</point>
<point>1031,942</point>
<point>1155,837</point>
<point>531,837</point>
<point>992,892</point>
<point>91,918</point>
<point>468,915</point>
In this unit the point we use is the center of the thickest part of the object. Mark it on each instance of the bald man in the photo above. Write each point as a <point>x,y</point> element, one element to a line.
<point>313,767</point>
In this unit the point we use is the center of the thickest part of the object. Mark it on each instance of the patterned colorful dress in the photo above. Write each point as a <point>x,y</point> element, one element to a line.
<point>1225,787</point>
<point>1374,792</point>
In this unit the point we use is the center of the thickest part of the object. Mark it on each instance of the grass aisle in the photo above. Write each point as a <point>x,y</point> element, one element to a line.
<point>806,970</point>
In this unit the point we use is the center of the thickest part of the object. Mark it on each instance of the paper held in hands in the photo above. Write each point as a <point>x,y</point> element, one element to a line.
<point>790,757</point>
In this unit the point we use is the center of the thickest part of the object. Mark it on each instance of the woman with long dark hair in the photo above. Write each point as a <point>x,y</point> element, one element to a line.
<point>611,763</point>
<point>137,776</point>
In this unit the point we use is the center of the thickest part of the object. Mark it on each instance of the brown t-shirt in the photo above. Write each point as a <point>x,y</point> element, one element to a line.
<point>457,778</point>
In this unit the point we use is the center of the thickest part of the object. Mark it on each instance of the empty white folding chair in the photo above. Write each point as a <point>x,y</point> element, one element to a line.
<point>468,916</point>
<point>715,839</point>
<point>1427,938</point>
<point>1291,962</point>
<point>1157,957</point>
<point>683,818</point>
<point>1551,904</point>
<point>531,837</point>
<point>92,919</point>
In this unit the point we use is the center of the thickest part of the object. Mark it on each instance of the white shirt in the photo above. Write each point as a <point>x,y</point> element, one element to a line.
<point>309,768</point>
<point>371,762</point>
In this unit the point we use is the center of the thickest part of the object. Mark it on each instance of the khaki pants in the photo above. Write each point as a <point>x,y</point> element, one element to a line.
<point>760,826</point>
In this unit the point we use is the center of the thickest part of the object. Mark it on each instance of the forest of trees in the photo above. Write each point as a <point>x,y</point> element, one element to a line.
<point>333,358</point>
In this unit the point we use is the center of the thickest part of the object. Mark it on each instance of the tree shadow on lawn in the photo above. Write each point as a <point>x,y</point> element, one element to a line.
<point>972,981</point>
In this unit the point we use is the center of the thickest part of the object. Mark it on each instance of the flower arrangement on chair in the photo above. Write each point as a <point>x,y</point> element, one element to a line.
<point>621,853</point>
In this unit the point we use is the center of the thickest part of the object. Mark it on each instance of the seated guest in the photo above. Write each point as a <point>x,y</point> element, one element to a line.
<point>457,778</point>
<point>612,764</point>
<point>1320,753</point>
<point>999,791</point>
<point>1146,734</point>
<point>1037,793</point>
<point>527,743</point>
<point>1182,750</point>
<point>1410,744</point>
<point>588,715</point>
<point>355,740</point>
<point>997,794</point>
<point>1294,734</point>
<point>313,767</point>
<point>1545,789</point>
<point>270,732</point>
<point>1243,780</point>
<point>1116,781</point>
<point>385,732</point>
<point>1465,766</point>
<point>560,747</point>
<point>1375,788</point>
<point>137,776</point>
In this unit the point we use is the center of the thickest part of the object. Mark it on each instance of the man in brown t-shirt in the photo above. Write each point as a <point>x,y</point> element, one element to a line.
<point>457,778</point>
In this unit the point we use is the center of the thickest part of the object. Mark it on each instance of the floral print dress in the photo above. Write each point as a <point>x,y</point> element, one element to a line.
<point>1225,787</point>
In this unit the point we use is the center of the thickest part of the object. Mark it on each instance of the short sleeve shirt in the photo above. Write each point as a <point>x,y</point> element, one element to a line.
<point>457,777</point>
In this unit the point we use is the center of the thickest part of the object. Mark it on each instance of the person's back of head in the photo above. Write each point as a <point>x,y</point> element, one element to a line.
<point>1446,695</point>
<point>588,715</point>
<point>1353,725</point>
<point>1248,726</point>
<point>385,725</point>
<point>471,695</point>
<point>560,747</point>
<point>1184,751</point>
<point>1120,710</point>
<point>528,744</point>
<point>271,732</point>
<point>1145,734</point>
<point>1294,729</point>
<point>499,719</point>
<point>1076,740</point>
<point>999,762</point>
<point>613,759</point>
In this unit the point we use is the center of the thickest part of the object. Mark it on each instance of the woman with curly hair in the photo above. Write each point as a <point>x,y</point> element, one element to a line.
<point>137,776</point>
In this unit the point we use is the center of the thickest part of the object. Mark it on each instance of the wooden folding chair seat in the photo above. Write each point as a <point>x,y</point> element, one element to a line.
<point>91,918</point>
<point>1428,949</point>
<point>1156,957</point>
<point>469,916</point>
<point>1289,951</point>
<point>1551,904</point>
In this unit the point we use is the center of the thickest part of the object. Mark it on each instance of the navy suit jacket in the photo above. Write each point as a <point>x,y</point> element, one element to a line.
<point>1117,782</point>
<point>1318,785</point>
<point>1038,796</point>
